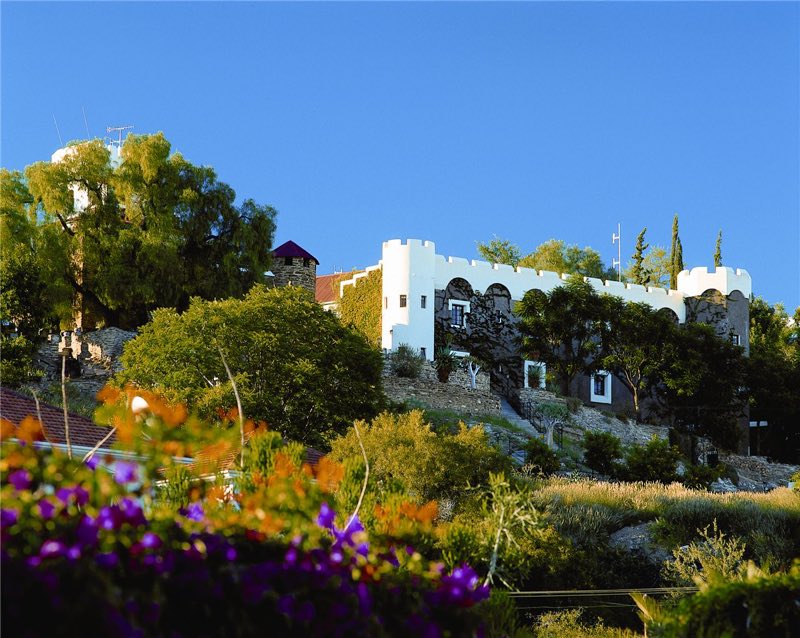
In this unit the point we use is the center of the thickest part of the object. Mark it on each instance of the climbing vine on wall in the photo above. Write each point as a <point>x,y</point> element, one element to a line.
<point>360,306</point>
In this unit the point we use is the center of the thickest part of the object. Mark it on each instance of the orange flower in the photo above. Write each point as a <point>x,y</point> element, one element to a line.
<point>108,395</point>
<point>329,474</point>
<point>30,430</point>
<point>6,429</point>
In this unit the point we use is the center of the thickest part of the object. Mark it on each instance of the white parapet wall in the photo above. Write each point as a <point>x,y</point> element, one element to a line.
<point>696,281</point>
<point>412,269</point>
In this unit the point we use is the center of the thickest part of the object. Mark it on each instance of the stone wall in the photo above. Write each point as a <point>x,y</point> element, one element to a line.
<point>459,377</point>
<point>300,272</point>
<point>442,396</point>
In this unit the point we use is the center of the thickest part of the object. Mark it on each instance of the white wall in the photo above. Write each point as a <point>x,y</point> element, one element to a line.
<point>413,268</point>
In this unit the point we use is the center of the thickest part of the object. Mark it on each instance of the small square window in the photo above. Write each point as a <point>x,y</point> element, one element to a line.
<point>287,261</point>
<point>736,340</point>
<point>423,301</point>
<point>403,301</point>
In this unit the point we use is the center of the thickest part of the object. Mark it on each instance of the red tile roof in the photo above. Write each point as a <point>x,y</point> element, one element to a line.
<point>82,431</point>
<point>328,288</point>
<point>290,249</point>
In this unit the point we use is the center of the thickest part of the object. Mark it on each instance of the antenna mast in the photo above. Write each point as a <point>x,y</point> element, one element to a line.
<point>617,263</point>
<point>118,129</point>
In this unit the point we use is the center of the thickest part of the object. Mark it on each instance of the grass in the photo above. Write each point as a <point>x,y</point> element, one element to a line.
<point>768,523</point>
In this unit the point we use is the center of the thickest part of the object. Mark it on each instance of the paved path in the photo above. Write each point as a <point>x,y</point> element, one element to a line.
<point>510,414</point>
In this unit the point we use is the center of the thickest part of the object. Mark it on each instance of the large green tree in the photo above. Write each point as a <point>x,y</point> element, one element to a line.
<point>703,384</point>
<point>638,346</point>
<point>773,378</point>
<point>295,365</point>
<point>564,328</point>
<point>154,230</point>
<point>638,273</point>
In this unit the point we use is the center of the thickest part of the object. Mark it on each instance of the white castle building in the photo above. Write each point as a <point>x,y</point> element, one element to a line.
<point>413,273</point>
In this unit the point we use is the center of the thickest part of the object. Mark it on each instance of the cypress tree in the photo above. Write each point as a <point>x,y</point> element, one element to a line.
<point>675,255</point>
<point>718,251</point>
<point>639,273</point>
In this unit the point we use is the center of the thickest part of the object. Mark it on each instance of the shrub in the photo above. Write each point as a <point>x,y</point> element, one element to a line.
<point>568,624</point>
<point>762,606</point>
<point>602,449</point>
<point>715,556</point>
<point>573,404</point>
<point>699,477</point>
<point>17,362</point>
<point>541,457</point>
<point>444,363</point>
<point>656,461</point>
<point>406,362</point>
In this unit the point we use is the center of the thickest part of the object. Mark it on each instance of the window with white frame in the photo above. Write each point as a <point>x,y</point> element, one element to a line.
<point>736,339</point>
<point>600,387</point>
<point>535,374</point>
<point>458,312</point>
<point>403,301</point>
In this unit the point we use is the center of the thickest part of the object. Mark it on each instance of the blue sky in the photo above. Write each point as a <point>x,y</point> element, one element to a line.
<point>452,122</point>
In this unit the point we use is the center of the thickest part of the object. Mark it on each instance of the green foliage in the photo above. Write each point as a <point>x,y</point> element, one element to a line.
<point>568,624</point>
<point>762,606</point>
<point>17,362</point>
<point>703,384</point>
<point>714,556</point>
<point>638,346</point>
<point>655,461</point>
<point>360,306</point>
<point>500,251</point>
<point>406,362</point>
<point>556,256</point>
<point>538,455</point>
<point>404,449</point>
<point>445,363</point>
<point>601,452</point>
<point>563,328</point>
<point>718,251</point>
<point>675,255</point>
<point>157,230</point>
<point>773,378</point>
<point>699,477</point>
<point>637,272</point>
<point>295,365</point>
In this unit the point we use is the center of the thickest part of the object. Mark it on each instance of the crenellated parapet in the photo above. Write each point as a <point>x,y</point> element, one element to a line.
<point>694,282</point>
<point>412,272</point>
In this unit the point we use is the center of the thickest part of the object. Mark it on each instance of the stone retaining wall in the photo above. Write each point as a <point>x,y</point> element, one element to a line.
<point>442,396</point>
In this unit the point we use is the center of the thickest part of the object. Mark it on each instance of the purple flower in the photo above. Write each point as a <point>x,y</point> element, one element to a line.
<point>151,540</point>
<point>74,552</point>
<point>109,518</point>
<point>125,472</point>
<point>107,560</point>
<point>194,511</point>
<point>131,512</point>
<point>326,516</point>
<point>92,462</point>
<point>21,480</point>
<point>8,517</point>
<point>46,509</point>
<point>51,549</point>
<point>80,495</point>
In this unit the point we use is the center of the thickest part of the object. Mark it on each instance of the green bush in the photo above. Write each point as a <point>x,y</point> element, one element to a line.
<point>544,460</point>
<point>406,362</point>
<point>573,404</point>
<point>763,606</point>
<point>699,477</point>
<point>17,362</point>
<point>568,624</point>
<point>656,461</point>
<point>716,555</point>
<point>602,449</point>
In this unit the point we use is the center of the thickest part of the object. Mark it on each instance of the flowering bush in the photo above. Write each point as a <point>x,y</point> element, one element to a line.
<point>93,545</point>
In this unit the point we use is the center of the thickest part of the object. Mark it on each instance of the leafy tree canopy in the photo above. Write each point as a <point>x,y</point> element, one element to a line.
<point>295,365</point>
<point>155,230</point>
<point>553,255</point>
